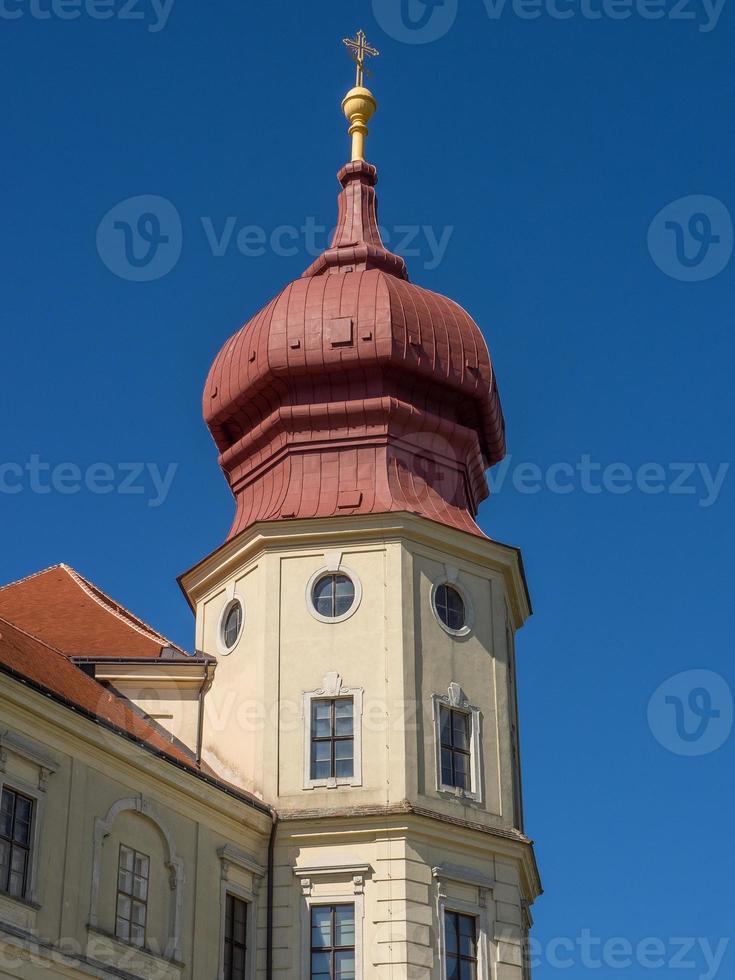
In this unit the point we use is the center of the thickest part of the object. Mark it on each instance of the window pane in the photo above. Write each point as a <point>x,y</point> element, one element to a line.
<point>15,884</point>
<point>345,966</point>
<point>453,969</point>
<point>450,933</point>
<point>320,966</point>
<point>344,769</point>
<point>122,929</point>
<point>343,717</point>
<point>467,937</point>
<point>4,863</point>
<point>461,730</point>
<point>321,927</point>
<point>233,622</point>
<point>137,934</point>
<point>141,864</point>
<point>138,914</point>
<point>468,970</point>
<point>127,858</point>
<point>124,906</point>
<point>140,888</point>
<point>445,721</point>
<point>125,881</point>
<point>322,751</point>
<point>345,925</point>
<point>18,860</point>
<point>321,714</point>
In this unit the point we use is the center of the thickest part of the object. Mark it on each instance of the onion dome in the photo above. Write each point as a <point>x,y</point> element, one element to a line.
<point>355,391</point>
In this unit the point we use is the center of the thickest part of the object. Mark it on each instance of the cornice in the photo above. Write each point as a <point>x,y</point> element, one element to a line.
<point>221,564</point>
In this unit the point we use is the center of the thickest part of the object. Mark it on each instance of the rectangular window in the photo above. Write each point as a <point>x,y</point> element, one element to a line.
<point>16,820</point>
<point>332,738</point>
<point>236,937</point>
<point>456,751</point>
<point>332,942</point>
<point>460,936</point>
<point>132,896</point>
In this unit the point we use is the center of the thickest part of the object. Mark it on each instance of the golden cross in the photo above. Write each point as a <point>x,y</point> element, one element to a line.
<point>360,49</point>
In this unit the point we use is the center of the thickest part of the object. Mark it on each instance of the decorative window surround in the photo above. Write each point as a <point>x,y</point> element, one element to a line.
<point>451,577</point>
<point>174,865</point>
<point>333,565</point>
<point>236,865</point>
<point>356,897</point>
<point>456,699</point>
<point>28,751</point>
<point>479,911</point>
<point>332,688</point>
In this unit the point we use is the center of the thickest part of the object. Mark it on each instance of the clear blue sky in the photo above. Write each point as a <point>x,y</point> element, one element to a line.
<point>546,146</point>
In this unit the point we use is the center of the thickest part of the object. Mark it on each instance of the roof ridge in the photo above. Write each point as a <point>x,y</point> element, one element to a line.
<point>115,608</point>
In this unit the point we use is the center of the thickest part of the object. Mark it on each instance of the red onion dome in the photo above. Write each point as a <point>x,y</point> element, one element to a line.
<point>355,391</point>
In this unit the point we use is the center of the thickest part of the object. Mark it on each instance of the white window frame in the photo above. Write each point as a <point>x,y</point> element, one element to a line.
<point>232,856</point>
<point>455,699</point>
<point>477,910</point>
<point>332,689</point>
<point>29,751</point>
<point>451,578</point>
<point>355,898</point>
<point>333,566</point>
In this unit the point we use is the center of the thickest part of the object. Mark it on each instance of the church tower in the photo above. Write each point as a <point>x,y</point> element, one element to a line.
<point>363,626</point>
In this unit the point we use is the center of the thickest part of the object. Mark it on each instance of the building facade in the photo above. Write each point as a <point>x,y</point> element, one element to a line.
<point>330,787</point>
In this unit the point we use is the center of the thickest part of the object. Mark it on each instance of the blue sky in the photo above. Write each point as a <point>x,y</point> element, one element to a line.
<point>566,168</point>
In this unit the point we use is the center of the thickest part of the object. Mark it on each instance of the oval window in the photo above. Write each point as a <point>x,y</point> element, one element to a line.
<point>232,624</point>
<point>450,607</point>
<point>333,595</point>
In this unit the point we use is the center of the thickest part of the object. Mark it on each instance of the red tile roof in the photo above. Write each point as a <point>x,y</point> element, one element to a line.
<point>65,610</point>
<point>35,661</point>
<point>72,617</point>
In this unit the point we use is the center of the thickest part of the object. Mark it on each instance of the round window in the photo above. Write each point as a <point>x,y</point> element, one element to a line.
<point>333,595</point>
<point>450,607</point>
<point>232,624</point>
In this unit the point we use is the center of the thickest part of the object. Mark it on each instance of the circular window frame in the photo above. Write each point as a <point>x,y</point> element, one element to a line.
<point>469,610</point>
<point>224,650</point>
<point>321,573</point>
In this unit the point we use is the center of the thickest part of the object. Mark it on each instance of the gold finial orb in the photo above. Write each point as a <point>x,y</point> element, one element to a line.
<point>359,104</point>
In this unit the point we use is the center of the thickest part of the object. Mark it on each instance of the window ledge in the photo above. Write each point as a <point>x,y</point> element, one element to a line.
<point>331,783</point>
<point>104,946</point>
<point>459,795</point>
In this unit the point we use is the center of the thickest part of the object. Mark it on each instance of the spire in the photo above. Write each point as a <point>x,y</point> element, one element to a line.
<point>359,104</point>
<point>357,245</point>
